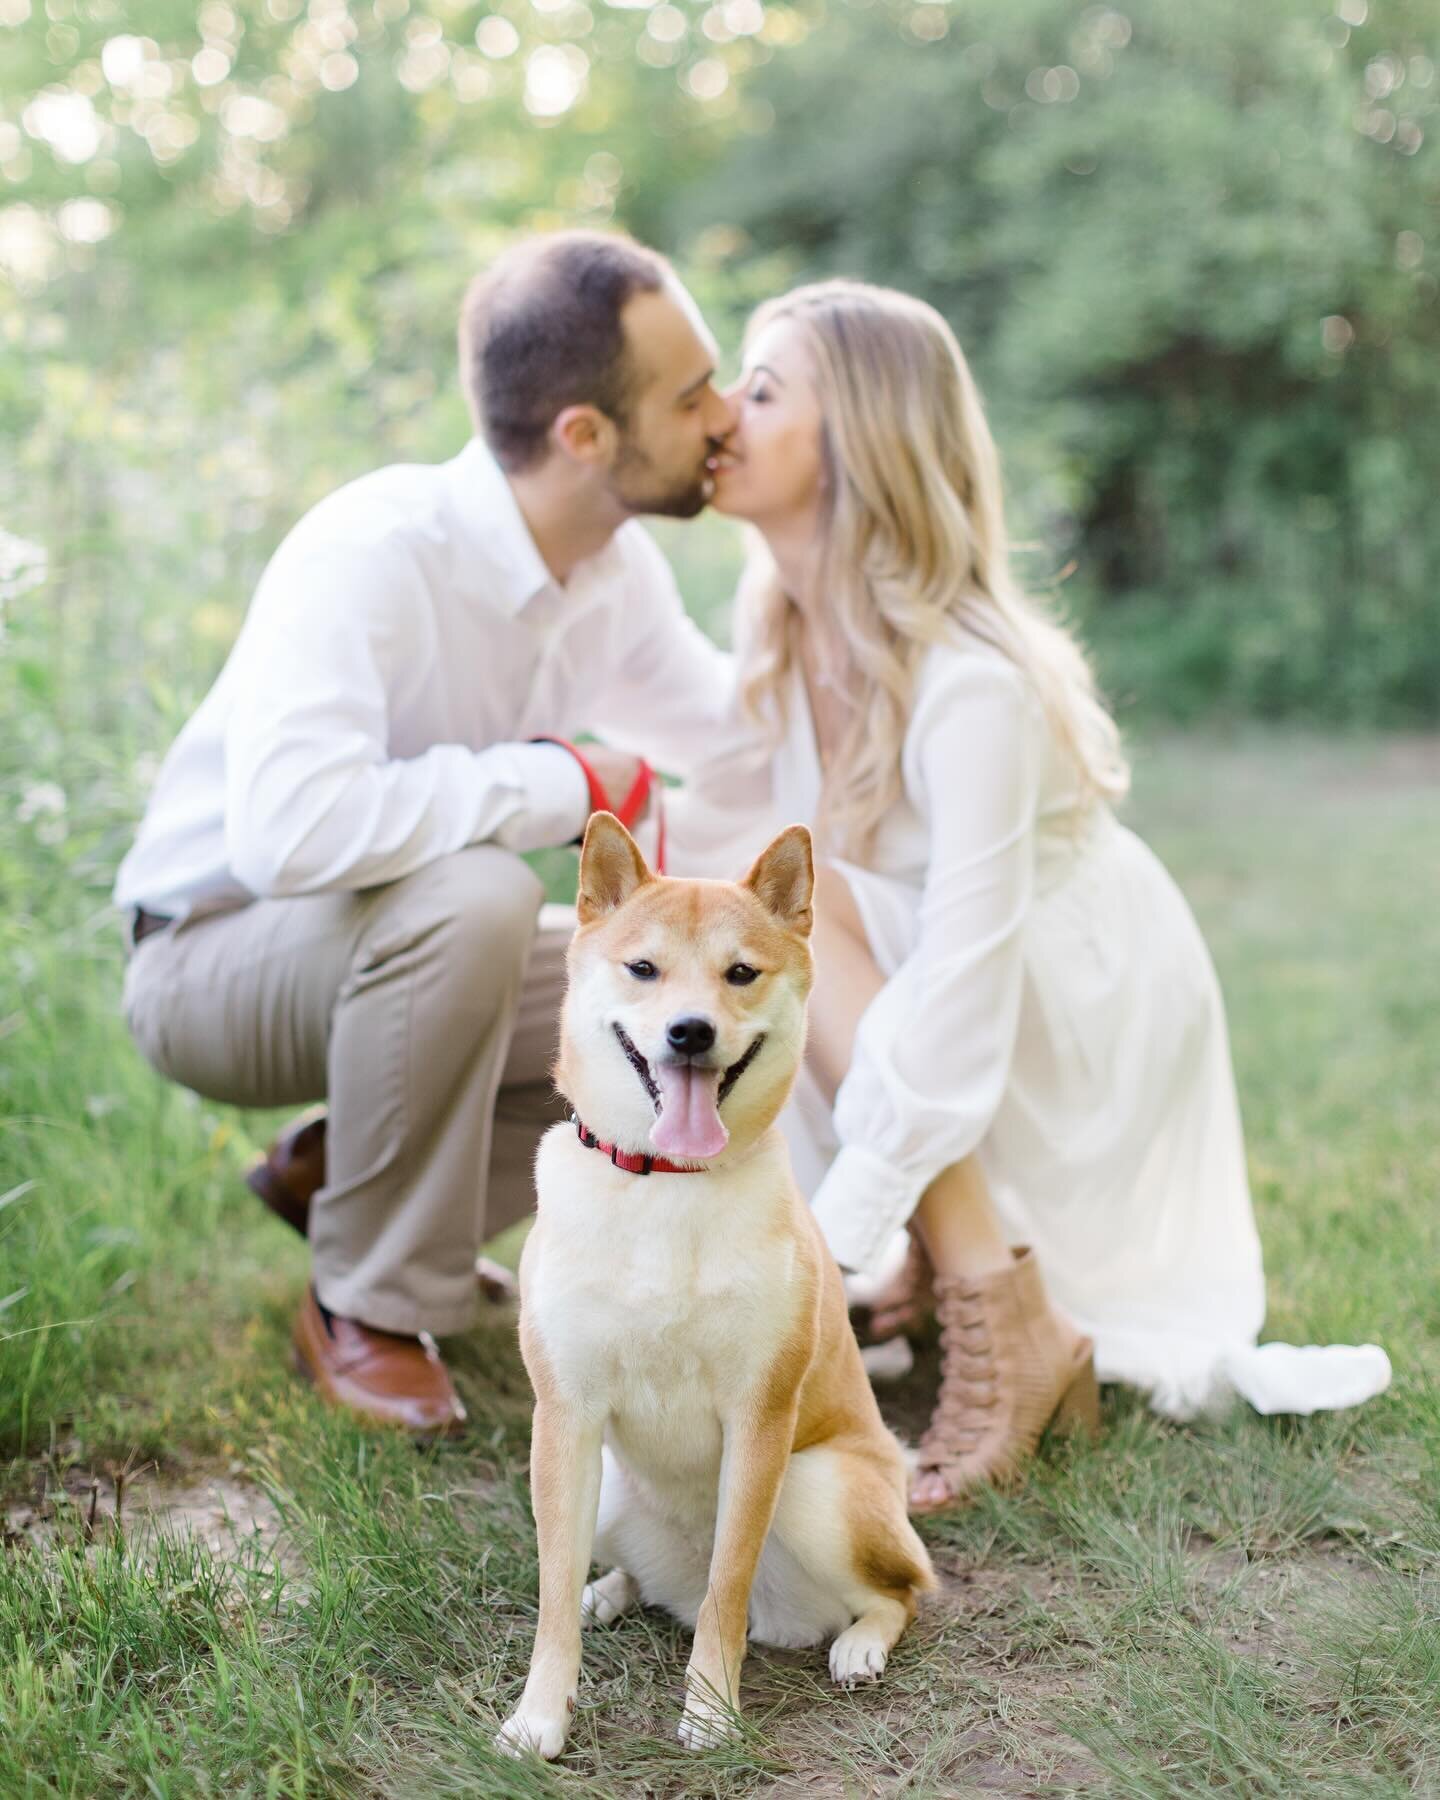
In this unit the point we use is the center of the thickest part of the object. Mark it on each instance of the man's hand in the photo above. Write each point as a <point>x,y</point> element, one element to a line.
<point>617,770</point>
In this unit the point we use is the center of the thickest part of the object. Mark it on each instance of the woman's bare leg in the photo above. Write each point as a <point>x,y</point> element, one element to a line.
<point>956,1217</point>
<point>846,980</point>
<point>959,1225</point>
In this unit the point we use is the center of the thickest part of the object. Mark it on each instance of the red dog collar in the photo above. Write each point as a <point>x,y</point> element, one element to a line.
<point>630,808</point>
<point>631,1160</point>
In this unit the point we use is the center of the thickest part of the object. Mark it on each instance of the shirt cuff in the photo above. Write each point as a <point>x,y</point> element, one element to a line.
<point>557,795</point>
<point>862,1202</point>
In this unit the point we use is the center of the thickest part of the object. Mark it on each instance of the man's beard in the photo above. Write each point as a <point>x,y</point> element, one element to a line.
<point>637,485</point>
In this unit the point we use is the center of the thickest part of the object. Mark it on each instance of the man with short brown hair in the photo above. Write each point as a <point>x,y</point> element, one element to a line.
<point>541,329</point>
<point>326,896</point>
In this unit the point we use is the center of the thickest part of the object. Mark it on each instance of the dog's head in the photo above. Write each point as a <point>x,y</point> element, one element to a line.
<point>684,1019</point>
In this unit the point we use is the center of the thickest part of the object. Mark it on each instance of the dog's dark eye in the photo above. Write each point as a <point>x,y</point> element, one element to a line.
<point>741,974</point>
<point>642,970</point>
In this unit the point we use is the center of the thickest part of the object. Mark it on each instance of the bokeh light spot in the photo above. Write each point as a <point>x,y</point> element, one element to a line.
<point>708,78</point>
<point>66,122</point>
<point>497,37</point>
<point>122,59</point>
<point>85,220</point>
<point>210,66</point>
<point>667,25</point>
<point>555,76</point>
<point>338,71</point>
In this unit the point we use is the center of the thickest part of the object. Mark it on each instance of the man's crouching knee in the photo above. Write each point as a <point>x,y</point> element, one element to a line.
<point>467,921</point>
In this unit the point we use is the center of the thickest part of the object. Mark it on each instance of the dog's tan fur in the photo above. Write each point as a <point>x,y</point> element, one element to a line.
<point>702,1416</point>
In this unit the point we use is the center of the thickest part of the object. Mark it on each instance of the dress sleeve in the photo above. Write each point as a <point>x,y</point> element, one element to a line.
<point>933,1049</point>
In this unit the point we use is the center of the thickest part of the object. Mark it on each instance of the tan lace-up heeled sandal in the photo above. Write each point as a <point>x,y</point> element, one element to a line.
<point>1010,1367</point>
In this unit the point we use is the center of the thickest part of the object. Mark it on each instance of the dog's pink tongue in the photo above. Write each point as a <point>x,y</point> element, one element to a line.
<point>689,1125</point>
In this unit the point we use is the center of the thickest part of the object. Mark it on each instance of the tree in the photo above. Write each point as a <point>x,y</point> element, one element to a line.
<point>1186,250</point>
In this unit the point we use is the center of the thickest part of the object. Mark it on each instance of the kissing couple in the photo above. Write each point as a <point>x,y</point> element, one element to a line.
<point>1017,1112</point>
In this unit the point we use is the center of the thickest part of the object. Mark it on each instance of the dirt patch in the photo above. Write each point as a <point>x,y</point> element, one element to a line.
<point>907,1404</point>
<point>971,1704</point>
<point>231,1518</point>
<point>1288,1601</point>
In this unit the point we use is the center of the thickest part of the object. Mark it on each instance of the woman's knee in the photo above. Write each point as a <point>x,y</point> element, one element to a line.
<point>835,906</point>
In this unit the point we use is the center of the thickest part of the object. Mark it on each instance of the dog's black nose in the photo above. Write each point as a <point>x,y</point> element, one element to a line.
<point>690,1036</point>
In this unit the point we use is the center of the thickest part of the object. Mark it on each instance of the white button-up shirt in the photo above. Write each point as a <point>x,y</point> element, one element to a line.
<point>404,644</point>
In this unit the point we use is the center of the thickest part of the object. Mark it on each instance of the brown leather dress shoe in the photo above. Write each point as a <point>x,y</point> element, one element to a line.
<point>387,1380</point>
<point>292,1171</point>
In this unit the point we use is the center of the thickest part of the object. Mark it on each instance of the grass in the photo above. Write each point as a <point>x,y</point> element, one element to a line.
<point>1243,1606</point>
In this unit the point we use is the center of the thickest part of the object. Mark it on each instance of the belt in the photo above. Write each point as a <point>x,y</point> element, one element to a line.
<point>146,923</point>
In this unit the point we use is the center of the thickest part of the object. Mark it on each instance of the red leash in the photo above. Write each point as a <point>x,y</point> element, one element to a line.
<point>630,808</point>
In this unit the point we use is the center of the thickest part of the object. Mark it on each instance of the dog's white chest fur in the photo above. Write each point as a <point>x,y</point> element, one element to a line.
<point>662,1300</point>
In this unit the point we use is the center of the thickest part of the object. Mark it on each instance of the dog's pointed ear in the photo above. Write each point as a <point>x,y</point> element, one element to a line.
<point>611,868</point>
<point>783,879</point>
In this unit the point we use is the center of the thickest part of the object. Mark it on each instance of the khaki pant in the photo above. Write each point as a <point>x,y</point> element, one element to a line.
<point>425,1014</point>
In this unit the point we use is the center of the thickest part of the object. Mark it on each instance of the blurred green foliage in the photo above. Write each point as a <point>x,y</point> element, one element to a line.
<point>1191,250</point>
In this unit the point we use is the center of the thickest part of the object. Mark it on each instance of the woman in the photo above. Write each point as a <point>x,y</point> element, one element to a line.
<point>1017,1035</point>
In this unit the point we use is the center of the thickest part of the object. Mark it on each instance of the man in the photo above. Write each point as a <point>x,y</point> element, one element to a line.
<point>326,897</point>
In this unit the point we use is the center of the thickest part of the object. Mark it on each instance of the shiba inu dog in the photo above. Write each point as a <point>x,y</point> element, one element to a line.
<point>703,1422</point>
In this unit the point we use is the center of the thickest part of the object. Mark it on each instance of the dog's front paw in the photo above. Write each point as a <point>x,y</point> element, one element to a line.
<point>541,1734</point>
<point>704,1724</point>
<point>857,1656</point>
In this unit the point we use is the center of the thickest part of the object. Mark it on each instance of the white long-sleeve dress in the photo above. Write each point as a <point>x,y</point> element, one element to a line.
<point>1050,1004</point>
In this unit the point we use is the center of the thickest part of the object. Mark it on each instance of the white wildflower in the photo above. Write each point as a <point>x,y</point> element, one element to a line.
<point>42,799</point>
<point>22,566</point>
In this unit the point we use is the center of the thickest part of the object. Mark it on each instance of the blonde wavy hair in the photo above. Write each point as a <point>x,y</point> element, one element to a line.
<point>914,544</point>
